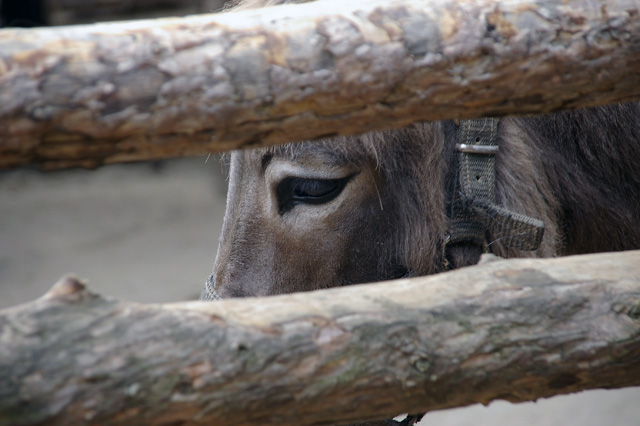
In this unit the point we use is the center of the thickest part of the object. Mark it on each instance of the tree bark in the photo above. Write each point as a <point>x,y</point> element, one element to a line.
<point>517,330</point>
<point>105,93</point>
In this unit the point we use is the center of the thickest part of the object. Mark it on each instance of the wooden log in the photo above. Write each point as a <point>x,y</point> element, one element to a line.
<point>98,94</point>
<point>517,330</point>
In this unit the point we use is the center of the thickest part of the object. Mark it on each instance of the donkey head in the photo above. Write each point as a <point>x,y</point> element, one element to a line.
<point>335,212</point>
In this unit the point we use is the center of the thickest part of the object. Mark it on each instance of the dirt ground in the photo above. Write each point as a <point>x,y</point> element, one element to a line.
<point>148,233</point>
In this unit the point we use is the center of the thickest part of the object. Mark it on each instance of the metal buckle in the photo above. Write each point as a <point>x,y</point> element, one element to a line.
<point>477,149</point>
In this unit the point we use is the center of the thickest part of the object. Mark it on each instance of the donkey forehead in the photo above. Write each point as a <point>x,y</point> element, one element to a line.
<point>333,152</point>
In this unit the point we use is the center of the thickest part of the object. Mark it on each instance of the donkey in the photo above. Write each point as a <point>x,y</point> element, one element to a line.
<point>390,204</point>
<point>358,209</point>
<point>385,205</point>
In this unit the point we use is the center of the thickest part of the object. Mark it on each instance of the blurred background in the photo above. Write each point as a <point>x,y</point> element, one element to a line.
<point>143,232</point>
<point>148,232</point>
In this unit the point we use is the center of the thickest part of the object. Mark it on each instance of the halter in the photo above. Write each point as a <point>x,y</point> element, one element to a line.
<point>209,291</point>
<point>474,216</point>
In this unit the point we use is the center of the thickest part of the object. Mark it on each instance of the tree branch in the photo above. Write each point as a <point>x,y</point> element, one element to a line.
<point>517,330</point>
<point>105,93</point>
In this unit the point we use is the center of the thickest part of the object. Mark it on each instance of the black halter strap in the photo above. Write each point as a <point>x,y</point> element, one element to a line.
<point>473,214</point>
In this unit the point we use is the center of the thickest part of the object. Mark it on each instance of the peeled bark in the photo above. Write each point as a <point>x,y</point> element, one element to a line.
<point>516,330</point>
<point>105,93</point>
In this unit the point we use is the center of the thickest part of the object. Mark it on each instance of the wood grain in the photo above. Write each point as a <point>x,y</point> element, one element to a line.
<point>97,94</point>
<point>518,330</point>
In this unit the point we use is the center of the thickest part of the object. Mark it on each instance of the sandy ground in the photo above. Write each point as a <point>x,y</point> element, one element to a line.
<point>148,233</point>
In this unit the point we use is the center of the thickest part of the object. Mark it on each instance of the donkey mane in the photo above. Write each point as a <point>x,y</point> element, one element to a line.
<point>590,157</point>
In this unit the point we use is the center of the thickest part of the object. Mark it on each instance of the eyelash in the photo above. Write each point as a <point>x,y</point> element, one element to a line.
<point>293,191</point>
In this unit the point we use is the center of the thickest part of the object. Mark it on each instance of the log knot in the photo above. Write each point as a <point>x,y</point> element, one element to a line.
<point>630,309</point>
<point>423,365</point>
<point>69,287</point>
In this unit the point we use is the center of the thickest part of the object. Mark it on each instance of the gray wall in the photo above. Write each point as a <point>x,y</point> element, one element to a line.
<point>141,232</point>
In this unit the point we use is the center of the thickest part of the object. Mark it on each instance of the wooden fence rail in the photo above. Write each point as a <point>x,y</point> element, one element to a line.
<point>515,329</point>
<point>105,93</point>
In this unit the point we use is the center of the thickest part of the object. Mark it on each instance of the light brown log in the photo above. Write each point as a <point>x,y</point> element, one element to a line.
<point>98,94</point>
<point>516,330</point>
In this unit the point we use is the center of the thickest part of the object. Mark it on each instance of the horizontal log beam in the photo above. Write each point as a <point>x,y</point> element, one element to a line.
<point>517,330</point>
<point>105,93</point>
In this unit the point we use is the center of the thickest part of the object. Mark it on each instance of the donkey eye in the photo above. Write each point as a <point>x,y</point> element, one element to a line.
<point>314,189</point>
<point>292,191</point>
